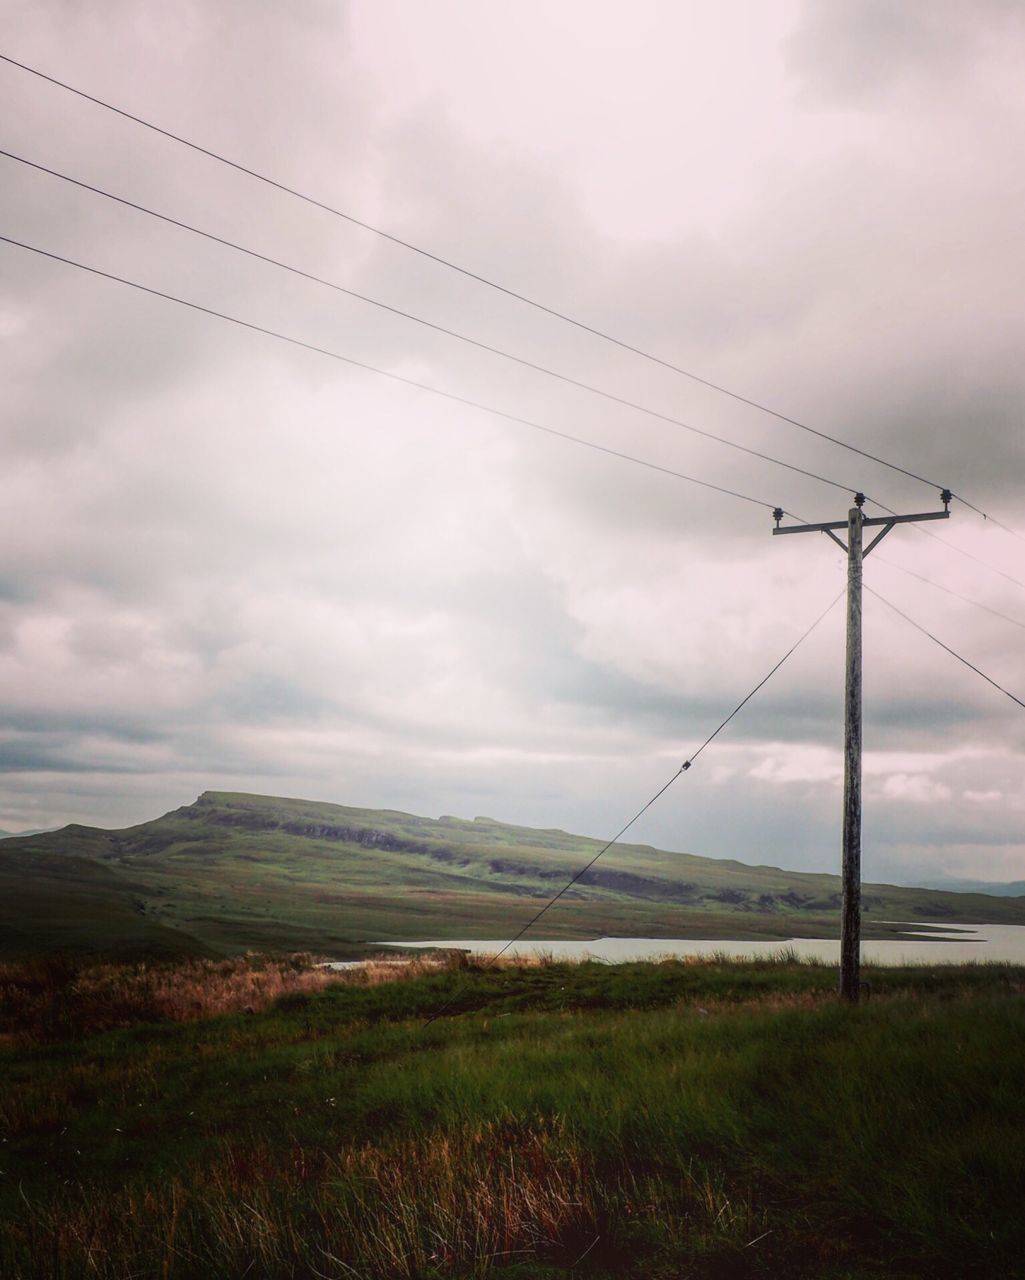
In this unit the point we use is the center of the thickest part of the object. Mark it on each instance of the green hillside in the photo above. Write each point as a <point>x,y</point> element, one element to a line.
<point>234,872</point>
<point>51,901</point>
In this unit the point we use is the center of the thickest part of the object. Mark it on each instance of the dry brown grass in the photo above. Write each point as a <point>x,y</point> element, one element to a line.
<point>382,969</point>
<point>56,996</point>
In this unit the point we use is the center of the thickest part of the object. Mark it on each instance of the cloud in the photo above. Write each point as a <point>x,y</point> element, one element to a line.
<point>914,788</point>
<point>233,562</point>
<point>982,797</point>
<point>860,49</point>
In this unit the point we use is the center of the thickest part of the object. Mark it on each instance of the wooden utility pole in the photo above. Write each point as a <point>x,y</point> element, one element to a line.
<point>850,907</point>
<point>850,902</point>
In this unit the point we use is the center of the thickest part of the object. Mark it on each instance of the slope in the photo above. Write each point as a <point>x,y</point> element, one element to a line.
<point>234,871</point>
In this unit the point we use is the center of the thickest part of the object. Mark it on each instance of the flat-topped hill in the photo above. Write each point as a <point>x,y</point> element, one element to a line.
<point>233,871</point>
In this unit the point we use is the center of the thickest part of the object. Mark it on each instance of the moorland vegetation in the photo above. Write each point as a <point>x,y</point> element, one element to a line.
<point>262,1116</point>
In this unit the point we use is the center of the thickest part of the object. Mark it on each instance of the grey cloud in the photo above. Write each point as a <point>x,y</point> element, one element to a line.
<point>800,284</point>
<point>258,566</point>
<point>61,722</point>
<point>265,697</point>
<point>63,756</point>
<point>858,49</point>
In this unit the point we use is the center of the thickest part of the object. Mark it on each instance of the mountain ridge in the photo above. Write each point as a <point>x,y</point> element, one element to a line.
<point>240,871</point>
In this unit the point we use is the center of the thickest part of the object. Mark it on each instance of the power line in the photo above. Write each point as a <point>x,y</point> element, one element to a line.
<point>928,533</point>
<point>960,551</point>
<point>765,680</point>
<point>953,652</point>
<point>464,338</point>
<point>948,591</point>
<point>429,324</point>
<point>992,519</point>
<point>473,342</point>
<point>491,284</point>
<point>645,807</point>
<point>386,373</point>
<point>974,558</point>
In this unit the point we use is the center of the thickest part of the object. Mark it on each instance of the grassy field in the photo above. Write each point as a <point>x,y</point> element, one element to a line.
<point>236,872</point>
<point>704,1119</point>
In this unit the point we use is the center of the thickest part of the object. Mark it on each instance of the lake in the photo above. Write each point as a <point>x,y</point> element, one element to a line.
<point>947,943</point>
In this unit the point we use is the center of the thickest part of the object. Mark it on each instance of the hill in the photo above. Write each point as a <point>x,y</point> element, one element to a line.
<point>233,872</point>
<point>1004,889</point>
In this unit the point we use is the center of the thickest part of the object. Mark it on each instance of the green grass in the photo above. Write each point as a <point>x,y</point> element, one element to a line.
<point>234,872</point>
<point>63,902</point>
<point>679,1119</point>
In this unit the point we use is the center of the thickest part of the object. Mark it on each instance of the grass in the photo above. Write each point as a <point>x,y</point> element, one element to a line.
<point>53,899</point>
<point>661,1120</point>
<point>58,996</point>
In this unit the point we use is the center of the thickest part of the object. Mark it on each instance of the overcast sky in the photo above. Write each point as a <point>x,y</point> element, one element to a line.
<point>232,563</point>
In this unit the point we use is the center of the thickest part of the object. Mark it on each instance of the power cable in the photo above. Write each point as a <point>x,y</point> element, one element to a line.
<point>928,533</point>
<point>429,324</point>
<point>892,564</point>
<point>386,373</point>
<point>492,284</point>
<point>990,518</point>
<point>952,546</point>
<point>953,652</point>
<point>645,807</point>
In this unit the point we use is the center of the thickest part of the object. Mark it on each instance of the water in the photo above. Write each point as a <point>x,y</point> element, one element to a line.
<point>948,944</point>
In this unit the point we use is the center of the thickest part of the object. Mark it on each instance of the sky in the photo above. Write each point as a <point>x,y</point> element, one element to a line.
<point>230,562</point>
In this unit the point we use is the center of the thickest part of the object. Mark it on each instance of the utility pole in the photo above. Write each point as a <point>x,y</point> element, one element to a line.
<point>850,908</point>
